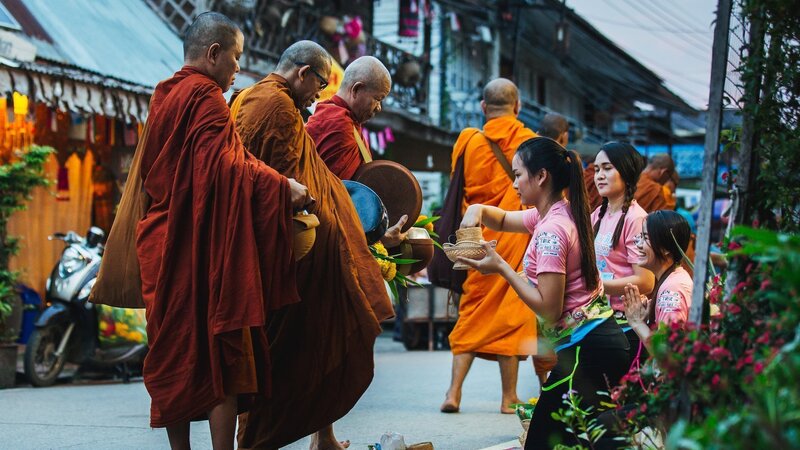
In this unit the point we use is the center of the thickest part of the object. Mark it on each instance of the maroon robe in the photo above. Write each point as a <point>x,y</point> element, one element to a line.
<point>331,128</point>
<point>214,247</point>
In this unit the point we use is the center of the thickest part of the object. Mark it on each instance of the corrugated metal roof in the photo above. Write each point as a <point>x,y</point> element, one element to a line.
<point>123,39</point>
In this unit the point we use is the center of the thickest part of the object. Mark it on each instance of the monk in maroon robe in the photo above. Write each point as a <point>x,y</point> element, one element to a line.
<point>322,347</point>
<point>214,246</point>
<point>337,124</point>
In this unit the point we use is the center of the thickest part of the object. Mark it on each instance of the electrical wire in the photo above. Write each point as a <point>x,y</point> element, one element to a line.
<point>691,40</point>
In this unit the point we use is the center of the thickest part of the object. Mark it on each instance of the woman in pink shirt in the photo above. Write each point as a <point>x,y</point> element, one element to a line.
<point>617,224</point>
<point>665,237</point>
<point>560,281</point>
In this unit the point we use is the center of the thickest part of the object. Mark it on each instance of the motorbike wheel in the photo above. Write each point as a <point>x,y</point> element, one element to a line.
<point>41,364</point>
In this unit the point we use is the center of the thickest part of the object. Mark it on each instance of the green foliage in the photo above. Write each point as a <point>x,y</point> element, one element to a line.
<point>17,180</point>
<point>736,375</point>
<point>771,77</point>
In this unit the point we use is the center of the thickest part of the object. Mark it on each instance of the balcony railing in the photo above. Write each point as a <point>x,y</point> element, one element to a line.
<point>409,76</point>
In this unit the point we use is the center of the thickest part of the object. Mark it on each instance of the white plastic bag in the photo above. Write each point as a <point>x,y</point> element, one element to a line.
<point>392,441</point>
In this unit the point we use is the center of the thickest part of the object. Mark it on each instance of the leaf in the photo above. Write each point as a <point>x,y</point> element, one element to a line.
<point>423,222</point>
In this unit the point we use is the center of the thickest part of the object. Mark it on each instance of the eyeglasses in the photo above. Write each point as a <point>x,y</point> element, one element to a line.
<point>642,238</point>
<point>323,83</point>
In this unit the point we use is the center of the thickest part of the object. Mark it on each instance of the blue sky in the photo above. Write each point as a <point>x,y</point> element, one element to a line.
<point>672,38</point>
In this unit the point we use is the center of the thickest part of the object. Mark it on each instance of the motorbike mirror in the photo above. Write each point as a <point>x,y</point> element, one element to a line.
<point>94,237</point>
<point>56,236</point>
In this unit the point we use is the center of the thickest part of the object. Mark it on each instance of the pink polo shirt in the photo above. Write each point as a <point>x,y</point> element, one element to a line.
<point>554,248</point>
<point>617,262</point>
<point>674,297</point>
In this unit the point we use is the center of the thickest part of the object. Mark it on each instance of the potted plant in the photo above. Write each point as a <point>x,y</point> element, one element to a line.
<point>18,178</point>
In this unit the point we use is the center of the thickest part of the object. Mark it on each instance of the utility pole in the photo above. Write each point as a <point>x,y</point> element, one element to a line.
<point>719,61</point>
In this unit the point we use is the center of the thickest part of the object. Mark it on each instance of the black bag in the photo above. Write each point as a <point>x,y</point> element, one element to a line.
<point>440,269</point>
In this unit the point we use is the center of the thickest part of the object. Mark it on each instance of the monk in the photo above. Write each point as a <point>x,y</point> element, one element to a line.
<point>650,193</point>
<point>492,323</point>
<point>336,124</point>
<point>556,127</point>
<point>214,247</point>
<point>322,347</point>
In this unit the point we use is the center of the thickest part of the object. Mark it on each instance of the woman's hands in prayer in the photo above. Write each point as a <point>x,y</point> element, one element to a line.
<point>393,236</point>
<point>491,263</point>
<point>301,198</point>
<point>636,305</point>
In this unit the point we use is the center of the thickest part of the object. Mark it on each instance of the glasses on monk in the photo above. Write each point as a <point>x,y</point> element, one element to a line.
<point>323,83</point>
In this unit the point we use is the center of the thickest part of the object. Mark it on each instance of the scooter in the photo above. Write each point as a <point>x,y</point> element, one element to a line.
<point>68,329</point>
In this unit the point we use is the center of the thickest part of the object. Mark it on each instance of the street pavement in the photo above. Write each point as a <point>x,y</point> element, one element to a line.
<point>404,398</point>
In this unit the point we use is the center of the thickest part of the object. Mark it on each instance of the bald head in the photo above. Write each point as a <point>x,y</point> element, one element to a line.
<point>365,84</point>
<point>553,125</point>
<point>660,167</point>
<point>500,97</point>
<point>367,70</point>
<point>306,52</point>
<point>207,29</point>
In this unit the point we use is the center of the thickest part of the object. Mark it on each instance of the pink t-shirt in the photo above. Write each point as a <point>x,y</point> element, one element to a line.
<point>554,248</point>
<point>617,262</point>
<point>674,297</point>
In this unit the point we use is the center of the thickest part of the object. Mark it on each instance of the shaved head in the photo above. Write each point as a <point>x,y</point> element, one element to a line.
<point>368,70</point>
<point>660,168</point>
<point>207,29</point>
<point>661,161</point>
<point>306,52</point>
<point>553,125</point>
<point>500,97</point>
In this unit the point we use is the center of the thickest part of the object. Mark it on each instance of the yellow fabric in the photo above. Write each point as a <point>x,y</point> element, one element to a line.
<point>361,147</point>
<point>45,215</point>
<point>492,319</point>
<point>334,81</point>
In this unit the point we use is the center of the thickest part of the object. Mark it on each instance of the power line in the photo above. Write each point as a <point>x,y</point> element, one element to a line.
<point>655,18</point>
<point>646,28</point>
<point>683,49</point>
<point>686,19</point>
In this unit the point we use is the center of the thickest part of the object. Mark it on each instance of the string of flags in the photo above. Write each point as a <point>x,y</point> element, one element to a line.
<point>378,140</point>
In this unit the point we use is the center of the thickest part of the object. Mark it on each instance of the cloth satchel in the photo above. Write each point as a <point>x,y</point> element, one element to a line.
<point>440,270</point>
<point>119,281</point>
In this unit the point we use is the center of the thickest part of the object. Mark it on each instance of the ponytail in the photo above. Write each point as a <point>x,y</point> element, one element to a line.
<point>579,206</point>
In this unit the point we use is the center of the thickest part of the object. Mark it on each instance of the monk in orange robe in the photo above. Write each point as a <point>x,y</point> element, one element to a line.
<point>650,193</point>
<point>214,246</point>
<point>322,347</point>
<point>492,323</point>
<point>337,123</point>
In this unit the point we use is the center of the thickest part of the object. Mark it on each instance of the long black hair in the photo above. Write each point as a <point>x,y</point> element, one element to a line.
<point>565,167</point>
<point>629,163</point>
<point>669,235</point>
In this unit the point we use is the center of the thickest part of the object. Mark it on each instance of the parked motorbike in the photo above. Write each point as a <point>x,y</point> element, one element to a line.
<point>68,329</point>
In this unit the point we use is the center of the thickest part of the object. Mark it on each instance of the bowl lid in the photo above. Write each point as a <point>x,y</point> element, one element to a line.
<point>396,186</point>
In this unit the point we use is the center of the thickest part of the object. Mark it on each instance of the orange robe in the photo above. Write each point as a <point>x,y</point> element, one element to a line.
<point>322,347</point>
<point>650,195</point>
<point>214,252</point>
<point>492,319</point>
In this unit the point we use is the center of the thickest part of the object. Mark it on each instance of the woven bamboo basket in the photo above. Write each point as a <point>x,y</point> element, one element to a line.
<point>473,234</point>
<point>467,249</point>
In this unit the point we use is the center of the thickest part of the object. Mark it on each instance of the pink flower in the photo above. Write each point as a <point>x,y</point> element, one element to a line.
<point>734,308</point>
<point>758,367</point>
<point>765,284</point>
<point>718,353</point>
<point>763,339</point>
<point>734,245</point>
<point>715,380</point>
<point>755,223</point>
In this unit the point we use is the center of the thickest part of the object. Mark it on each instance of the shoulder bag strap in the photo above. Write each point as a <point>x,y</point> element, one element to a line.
<point>361,146</point>
<point>501,158</point>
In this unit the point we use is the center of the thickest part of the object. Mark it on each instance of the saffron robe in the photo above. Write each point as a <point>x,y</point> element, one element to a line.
<point>492,319</point>
<point>650,195</point>
<point>331,126</point>
<point>322,347</point>
<point>214,247</point>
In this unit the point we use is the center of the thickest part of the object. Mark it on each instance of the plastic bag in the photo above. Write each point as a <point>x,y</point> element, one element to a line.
<point>121,325</point>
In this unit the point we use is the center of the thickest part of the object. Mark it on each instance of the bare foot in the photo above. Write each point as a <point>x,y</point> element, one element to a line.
<point>325,440</point>
<point>505,407</point>
<point>451,403</point>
